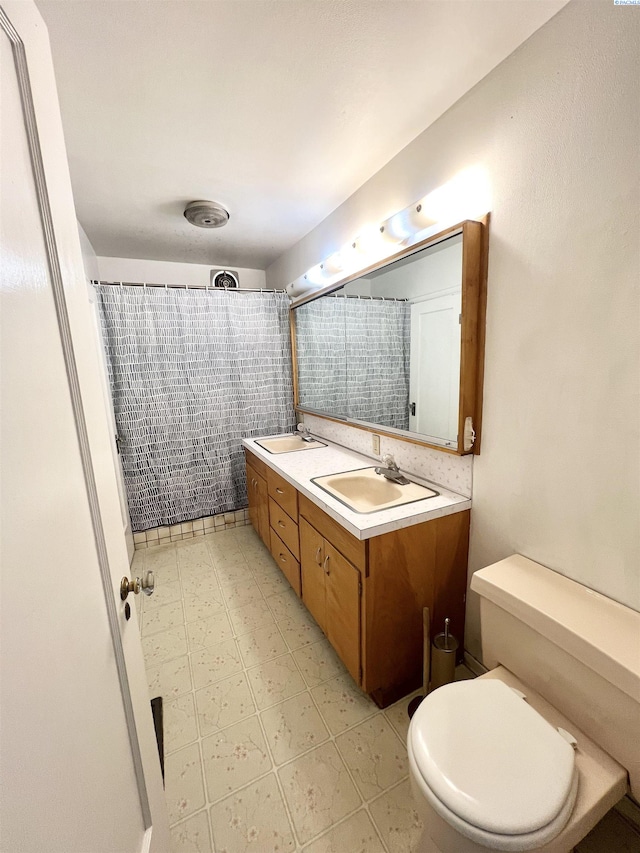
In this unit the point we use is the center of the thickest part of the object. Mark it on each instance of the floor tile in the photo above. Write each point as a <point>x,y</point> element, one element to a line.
<point>275,681</point>
<point>300,631</point>
<point>397,820</point>
<point>223,703</point>
<point>318,791</point>
<point>234,757</point>
<point>293,727</point>
<point>164,646</point>
<point>398,716</point>
<point>170,679</point>
<point>162,618</point>
<point>184,789</point>
<point>179,717</point>
<point>254,820</point>
<point>192,835</point>
<point>196,608</point>
<point>342,703</point>
<point>356,834</point>
<point>272,583</point>
<point>261,645</point>
<point>235,573</point>
<point>241,592</point>
<point>285,605</point>
<point>375,756</point>
<point>261,564</point>
<point>318,662</point>
<point>251,616</point>
<point>165,592</point>
<point>209,632</point>
<point>215,662</point>
<point>201,584</point>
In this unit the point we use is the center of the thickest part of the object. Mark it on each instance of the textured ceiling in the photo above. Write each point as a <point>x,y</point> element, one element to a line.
<point>279,109</point>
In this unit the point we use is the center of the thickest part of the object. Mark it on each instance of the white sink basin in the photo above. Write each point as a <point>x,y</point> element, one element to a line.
<point>365,491</point>
<point>288,444</point>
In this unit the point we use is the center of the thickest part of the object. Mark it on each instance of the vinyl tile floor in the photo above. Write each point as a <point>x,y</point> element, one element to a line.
<point>270,747</point>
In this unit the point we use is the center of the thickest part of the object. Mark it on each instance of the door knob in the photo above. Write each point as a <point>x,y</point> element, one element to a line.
<point>147,585</point>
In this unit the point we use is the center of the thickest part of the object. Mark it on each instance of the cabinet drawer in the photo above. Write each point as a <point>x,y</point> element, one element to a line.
<point>283,493</point>
<point>285,527</point>
<point>257,464</point>
<point>355,550</point>
<point>286,562</point>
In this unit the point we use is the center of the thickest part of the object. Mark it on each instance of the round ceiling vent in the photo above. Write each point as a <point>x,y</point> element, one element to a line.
<point>206,214</point>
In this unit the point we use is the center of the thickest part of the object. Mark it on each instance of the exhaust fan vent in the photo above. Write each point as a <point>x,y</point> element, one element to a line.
<point>206,214</point>
<point>224,278</point>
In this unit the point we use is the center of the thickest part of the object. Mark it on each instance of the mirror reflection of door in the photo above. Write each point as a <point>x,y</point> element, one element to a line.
<point>434,384</point>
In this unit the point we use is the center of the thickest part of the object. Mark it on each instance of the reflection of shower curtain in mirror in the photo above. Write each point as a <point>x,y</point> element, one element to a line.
<point>192,372</point>
<point>353,359</point>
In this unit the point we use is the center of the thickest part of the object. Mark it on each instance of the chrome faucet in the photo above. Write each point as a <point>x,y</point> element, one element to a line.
<point>390,471</point>
<point>305,433</point>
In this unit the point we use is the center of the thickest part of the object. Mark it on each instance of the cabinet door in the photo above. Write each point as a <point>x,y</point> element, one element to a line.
<point>313,578</point>
<point>252,496</point>
<point>343,593</point>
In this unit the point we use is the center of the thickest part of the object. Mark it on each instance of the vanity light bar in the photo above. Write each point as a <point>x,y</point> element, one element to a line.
<point>465,196</point>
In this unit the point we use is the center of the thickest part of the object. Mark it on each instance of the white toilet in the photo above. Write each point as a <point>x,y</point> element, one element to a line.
<point>533,754</point>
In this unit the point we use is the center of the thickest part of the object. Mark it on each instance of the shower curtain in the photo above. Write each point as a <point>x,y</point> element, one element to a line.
<point>191,373</point>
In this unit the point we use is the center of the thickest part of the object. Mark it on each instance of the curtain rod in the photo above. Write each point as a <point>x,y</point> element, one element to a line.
<point>362,296</point>
<point>187,286</point>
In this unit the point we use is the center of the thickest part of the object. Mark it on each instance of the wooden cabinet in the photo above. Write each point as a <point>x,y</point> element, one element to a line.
<point>370,602</point>
<point>273,510</point>
<point>367,596</point>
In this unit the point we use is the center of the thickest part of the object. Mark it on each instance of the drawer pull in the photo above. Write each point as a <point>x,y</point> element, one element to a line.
<point>281,524</point>
<point>279,491</point>
<point>326,565</point>
<point>318,552</point>
<point>283,559</point>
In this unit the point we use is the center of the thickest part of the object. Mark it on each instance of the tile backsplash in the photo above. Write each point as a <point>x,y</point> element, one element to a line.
<point>446,469</point>
<point>190,529</point>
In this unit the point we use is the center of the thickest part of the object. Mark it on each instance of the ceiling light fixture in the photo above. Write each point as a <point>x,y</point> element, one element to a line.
<point>206,214</point>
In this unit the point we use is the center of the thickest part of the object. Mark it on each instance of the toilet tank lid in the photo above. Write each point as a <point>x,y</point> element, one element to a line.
<point>602,634</point>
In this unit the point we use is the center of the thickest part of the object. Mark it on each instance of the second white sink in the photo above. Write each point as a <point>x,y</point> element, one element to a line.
<point>365,491</point>
<point>288,444</point>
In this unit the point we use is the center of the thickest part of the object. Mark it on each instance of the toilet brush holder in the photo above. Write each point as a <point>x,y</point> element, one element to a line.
<point>443,658</point>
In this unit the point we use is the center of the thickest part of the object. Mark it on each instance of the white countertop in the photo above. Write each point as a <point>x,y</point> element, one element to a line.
<point>299,467</point>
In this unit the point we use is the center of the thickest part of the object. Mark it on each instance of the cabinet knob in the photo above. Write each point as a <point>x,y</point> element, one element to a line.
<point>326,565</point>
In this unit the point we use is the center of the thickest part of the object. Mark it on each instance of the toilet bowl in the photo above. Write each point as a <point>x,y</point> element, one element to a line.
<point>493,764</point>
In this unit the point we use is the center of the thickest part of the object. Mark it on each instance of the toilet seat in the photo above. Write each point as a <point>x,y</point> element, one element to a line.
<point>492,766</point>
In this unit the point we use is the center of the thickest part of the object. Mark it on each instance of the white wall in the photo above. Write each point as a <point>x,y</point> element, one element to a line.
<point>556,126</point>
<point>169,272</point>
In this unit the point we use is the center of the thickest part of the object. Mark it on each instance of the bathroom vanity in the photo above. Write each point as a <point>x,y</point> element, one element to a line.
<point>365,577</point>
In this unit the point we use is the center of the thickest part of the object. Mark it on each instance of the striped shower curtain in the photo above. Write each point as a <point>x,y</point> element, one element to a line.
<point>191,373</point>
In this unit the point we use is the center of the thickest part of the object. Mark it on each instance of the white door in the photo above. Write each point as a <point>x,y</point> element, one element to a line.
<point>78,760</point>
<point>434,384</point>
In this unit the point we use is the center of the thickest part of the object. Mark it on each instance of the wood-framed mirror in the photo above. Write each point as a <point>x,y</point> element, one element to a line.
<point>398,348</point>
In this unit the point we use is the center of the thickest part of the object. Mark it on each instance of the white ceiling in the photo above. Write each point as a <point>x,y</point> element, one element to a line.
<point>279,109</point>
